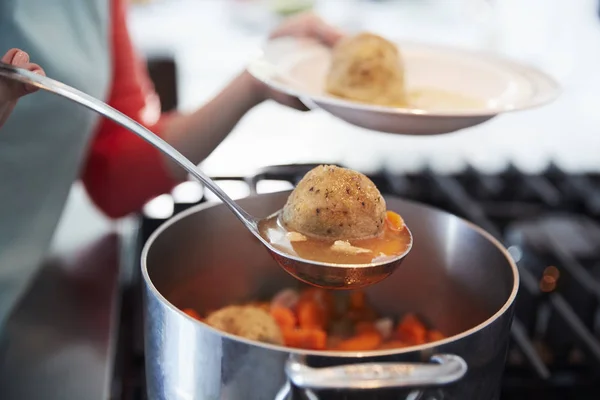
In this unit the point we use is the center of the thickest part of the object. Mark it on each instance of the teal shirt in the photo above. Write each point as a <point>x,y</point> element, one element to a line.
<point>44,142</point>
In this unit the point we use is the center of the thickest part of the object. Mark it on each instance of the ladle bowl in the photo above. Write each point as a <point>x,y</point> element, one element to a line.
<point>325,275</point>
<point>336,276</point>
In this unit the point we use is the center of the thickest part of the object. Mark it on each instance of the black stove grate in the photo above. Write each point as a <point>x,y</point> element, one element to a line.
<point>550,222</point>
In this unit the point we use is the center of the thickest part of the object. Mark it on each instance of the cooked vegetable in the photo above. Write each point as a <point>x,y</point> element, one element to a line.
<point>192,313</point>
<point>395,220</point>
<point>385,327</point>
<point>287,298</point>
<point>284,317</point>
<point>366,341</point>
<point>411,330</point>
<point>314,320</point>
<point>309,339</point>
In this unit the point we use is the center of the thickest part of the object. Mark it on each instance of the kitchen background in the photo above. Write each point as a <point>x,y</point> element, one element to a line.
<point>211,40</point>
<point>65,333</point>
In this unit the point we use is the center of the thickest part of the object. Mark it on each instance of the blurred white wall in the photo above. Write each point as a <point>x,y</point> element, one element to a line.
<point>562,37</point>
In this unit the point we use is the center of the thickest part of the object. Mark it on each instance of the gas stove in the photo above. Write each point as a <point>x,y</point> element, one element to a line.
<point>550,223</point>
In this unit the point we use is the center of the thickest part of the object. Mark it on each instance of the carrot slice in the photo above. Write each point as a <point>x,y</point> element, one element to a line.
<point>362,342</point>
<point>309,339</point>
<point>395,221</point>
<point>433,336</point>
<point>284,317</point>
<point>323,298</point>
<point>192,313</point>
<point>411,330</point>
<point>310,315</point>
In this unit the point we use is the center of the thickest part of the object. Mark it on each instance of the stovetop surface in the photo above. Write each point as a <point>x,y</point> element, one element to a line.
<point>550,224</point>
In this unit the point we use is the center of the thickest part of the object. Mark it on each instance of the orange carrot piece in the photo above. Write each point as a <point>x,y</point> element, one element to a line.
<point>323,298</point>
<point>310,315</point>
<point>358,300</point>
<point>434,336</point>
<point>284,317</point>
<point>395,221</point>
<point>363,342</point>
<point>192,313</point>
<point>411,330</point>
<point>308,339</point>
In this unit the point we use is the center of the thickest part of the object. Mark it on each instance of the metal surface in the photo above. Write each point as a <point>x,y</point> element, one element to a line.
<point>549,356</point>
<point>451,368</point>
<point>457,277</point>
<point>59,342</point>
<point>336,276</point>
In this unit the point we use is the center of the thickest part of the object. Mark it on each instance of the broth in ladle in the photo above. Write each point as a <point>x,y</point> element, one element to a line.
<point>338,216</point>
<point>393,241</point>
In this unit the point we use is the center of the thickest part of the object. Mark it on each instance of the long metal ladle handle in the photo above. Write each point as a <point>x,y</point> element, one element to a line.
<point>444,369</point>
<point>68,92</point>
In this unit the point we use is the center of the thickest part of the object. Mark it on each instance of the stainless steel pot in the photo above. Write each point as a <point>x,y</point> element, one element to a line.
<point>457,277</point>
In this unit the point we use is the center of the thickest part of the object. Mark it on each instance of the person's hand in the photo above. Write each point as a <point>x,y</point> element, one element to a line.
<point>307,25</point>
<point>10,91</point>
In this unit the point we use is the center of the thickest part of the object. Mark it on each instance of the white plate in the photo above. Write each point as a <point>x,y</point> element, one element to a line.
<point>298,67</point>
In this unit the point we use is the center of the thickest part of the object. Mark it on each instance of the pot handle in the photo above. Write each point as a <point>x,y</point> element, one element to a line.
<point>444,369</point>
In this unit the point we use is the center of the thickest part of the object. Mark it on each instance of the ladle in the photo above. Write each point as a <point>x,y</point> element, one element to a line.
<point>326,275</point>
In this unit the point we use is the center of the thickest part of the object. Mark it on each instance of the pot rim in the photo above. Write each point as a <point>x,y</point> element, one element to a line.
<point>329,353</point>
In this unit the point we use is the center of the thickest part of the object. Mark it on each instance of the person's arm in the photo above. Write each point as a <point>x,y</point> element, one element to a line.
<point>196,135</point>
<point>123,171</point>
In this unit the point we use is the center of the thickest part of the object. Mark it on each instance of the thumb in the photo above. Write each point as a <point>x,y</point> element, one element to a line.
<point>329,34</point>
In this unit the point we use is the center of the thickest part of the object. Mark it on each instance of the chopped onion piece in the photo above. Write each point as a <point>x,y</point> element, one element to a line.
<point>385,327</point>
<point>286,298</point>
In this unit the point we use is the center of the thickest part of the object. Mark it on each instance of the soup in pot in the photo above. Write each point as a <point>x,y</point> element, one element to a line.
<point>318,319</point>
